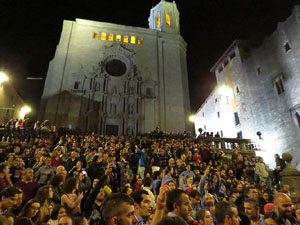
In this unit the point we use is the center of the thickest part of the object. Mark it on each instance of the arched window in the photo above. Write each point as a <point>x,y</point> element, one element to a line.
<point>96,35</point>
<point>118,37</point>
<point>132,39</point>
<point>110,37</point>
<point>157,21</point>
<point>168,19</point>
<point>125,40</point>
<point>103,36</point>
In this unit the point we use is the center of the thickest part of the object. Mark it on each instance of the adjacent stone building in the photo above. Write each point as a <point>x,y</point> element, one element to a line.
<point>258,89</point>
<point>10,103</point>
<point>116,79</point>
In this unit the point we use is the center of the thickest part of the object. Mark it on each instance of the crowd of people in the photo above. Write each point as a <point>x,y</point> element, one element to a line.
<point>143,180</point>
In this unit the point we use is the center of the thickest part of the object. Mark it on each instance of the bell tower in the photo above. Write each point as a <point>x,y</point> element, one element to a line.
<point>165,17</point>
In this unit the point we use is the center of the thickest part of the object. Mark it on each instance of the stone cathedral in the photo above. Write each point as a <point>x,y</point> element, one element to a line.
<point>121,80</point>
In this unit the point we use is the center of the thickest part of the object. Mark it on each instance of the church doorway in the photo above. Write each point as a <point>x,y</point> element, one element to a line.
<point>112,130</point>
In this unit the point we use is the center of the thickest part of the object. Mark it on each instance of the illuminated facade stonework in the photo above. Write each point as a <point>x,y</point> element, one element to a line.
<point>10,103</point>
<point>115,79</point>
<point>264,84</point>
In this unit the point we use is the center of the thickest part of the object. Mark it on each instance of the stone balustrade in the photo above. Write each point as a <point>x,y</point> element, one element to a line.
<point>228,145</point>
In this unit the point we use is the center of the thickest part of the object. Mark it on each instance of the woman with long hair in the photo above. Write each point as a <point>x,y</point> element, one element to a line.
<point>58,212</point>
<point>57,183</point>
<point>70,199</point>
<point>32,211</point>
<point>44,196</point>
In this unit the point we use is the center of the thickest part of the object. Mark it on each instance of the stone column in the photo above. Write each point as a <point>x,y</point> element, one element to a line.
<point>290,175</point>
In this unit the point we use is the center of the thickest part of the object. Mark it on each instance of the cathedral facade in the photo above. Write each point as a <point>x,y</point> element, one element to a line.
<point>122,80</point>
<point>258,92</point>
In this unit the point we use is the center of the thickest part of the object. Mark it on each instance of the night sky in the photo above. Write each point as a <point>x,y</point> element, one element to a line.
<point>30,31</point>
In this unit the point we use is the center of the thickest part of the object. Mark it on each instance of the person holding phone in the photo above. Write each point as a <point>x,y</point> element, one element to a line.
<point>70,199</point>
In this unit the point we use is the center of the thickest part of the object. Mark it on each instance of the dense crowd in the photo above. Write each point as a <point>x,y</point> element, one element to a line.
<point>145,180</point>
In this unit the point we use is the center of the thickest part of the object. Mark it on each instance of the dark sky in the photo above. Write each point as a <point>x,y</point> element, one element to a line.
<point>30,31</point>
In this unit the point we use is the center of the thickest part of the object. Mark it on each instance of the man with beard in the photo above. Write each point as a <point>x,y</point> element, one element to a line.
<point>118,209</point>
<point>209,202</point>
<point>283,208</point>
<point>18,205</point>
<point>142,206</point>
<point>227,214</point>
<point>178,204</point>
<point>250,192</point>
<point>251,208</point>
<point>8,199</point>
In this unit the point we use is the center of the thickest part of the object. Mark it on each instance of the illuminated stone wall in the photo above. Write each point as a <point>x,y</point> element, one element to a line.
<point>10,103</point>
<point>265,85</point>
<point>111,78</point>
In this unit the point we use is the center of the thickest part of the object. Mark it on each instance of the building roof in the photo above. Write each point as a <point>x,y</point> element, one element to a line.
<point>234,44</point>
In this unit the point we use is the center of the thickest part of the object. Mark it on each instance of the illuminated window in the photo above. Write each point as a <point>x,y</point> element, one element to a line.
<point>140,41</point>
<point>96,35</point>
<point>110,37</point>
<point>118,37</point>
<point>103,36</point>
<point>125,39</point>
<point>132,39</point>
<point>157,21</point>
<point>168,19</point>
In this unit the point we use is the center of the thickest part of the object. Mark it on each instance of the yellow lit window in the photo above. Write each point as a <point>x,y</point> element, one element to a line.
<point>168,19</point>
<point>132,40</point>
<point>96,35</point>
<point>110,37</point>
<point>140,41</point>
<point>157,21</point>
<point>103,36</point>
<point>118,37</point>
<point>125,39</point>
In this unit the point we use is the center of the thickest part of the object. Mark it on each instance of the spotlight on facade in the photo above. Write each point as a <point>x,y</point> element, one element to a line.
<point>23,111</point>
<point>3,77</point>
<point>225,91</point>
<point>192,118</point>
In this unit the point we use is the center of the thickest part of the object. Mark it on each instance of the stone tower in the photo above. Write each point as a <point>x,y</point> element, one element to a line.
<point>165,17</point>
<point>115,79</point>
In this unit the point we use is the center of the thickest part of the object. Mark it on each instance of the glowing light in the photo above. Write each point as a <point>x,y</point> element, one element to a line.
<point>192,118</point>
<point>23,111</point>
<point>3,77</point>
<point>226,91</point>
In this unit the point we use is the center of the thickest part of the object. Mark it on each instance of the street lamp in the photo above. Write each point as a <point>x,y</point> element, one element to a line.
<point>192,118</point>
<point>3,78</point>
<point>23,111</point>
